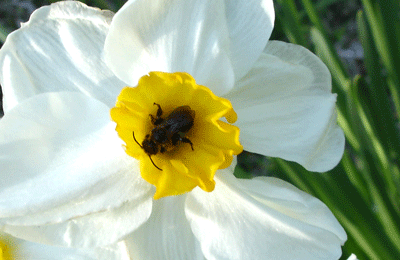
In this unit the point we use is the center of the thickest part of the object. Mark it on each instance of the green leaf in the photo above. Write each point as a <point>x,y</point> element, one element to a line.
<point>383,17</point>
<point>375,95</point>
<point>3,33</point>
<point>329,56</point>
<point>340,83</point>
<point>290,21</point>
<point>241,173</point>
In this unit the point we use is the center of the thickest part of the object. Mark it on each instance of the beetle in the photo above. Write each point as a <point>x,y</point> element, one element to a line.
<point>167,132</point>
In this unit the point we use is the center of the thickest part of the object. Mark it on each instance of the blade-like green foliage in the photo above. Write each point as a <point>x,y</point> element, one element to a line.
<point>363,191</point>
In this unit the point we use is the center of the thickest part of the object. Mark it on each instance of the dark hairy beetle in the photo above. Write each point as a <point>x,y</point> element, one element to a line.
<point>167,132</point>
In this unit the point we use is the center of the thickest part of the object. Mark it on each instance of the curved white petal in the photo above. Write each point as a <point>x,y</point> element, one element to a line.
<point>213,40</point>
<point>286,109</point>
<point>58,49</point>
<point>23,249</point>
<point>250,24</point>
<point>171,35</point>
<point>96,229</point>
<point>262,218</point>
<point>166,235</point>
<point>61,159</point>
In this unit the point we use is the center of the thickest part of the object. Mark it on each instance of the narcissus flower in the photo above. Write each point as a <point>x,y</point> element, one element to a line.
<point>188,84</point>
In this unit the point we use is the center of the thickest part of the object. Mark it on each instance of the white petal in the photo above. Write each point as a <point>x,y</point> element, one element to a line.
<point>97,229</point>
<point>166,235</point>
<point>214,41</point>
<point>23,249</point>
<point>286,109</point>
<point>352,257</point>
<point>61,158</point>
<point>171,35</point>
<point>262,218</point>
<point>59,49</point>
<point>250,24</point>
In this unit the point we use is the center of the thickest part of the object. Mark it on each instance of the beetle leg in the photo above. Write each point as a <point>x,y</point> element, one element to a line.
<point>162,149</point>
<point>159,111</point>
<point>157,120</point>
<point>153,119</point>
<point>177,137</point>
<point>186,140</point>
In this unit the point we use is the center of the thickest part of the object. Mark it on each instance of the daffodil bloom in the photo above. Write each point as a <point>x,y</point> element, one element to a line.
<point>12,248</point>
<point>115,128</point>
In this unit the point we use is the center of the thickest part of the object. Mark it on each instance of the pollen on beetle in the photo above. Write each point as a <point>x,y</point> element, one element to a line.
<point>172,125</point>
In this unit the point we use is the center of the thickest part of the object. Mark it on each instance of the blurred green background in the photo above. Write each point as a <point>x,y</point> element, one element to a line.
<point>359,41</point>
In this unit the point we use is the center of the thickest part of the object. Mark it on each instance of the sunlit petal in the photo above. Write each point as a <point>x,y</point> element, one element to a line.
<point>61,158</point>
<point>250,23</point>
<point>58,49</point>
<point>262,218</point>
<point>92,230</point>
<point>166,235</point>
<point>23,249</point>
<point>286,109</point>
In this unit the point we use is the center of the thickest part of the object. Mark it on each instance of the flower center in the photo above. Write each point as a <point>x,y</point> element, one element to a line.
<point>172,125</point>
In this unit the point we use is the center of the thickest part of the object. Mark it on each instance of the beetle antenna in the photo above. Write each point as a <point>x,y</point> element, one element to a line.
<point>133,133</point>
<point>154,163</point>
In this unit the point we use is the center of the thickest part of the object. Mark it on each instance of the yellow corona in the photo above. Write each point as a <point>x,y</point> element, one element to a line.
<point>197,141</point>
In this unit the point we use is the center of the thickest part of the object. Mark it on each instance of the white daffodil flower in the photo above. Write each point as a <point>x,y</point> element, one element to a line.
<point>12,248</point>
<point>161,176</point>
